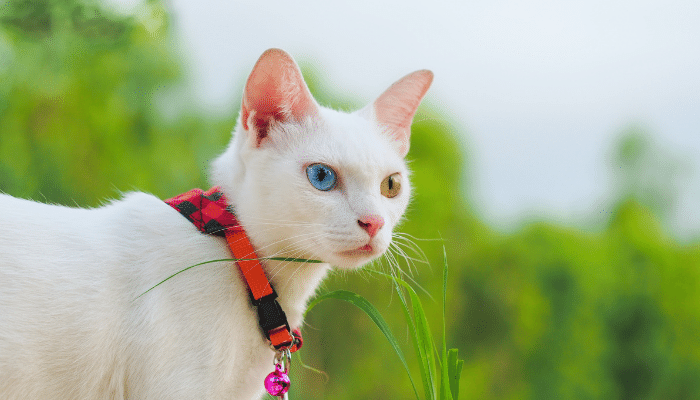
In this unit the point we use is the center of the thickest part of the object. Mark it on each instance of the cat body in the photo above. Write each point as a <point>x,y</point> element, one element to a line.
<point>70,326</point>
<point>304,181</point>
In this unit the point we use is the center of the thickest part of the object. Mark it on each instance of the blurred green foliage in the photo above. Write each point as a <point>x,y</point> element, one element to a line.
<point>546,312</point>
<point>79,94</point>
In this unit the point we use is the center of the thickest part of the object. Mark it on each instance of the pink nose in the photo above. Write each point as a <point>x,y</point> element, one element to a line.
<point>371,223</point>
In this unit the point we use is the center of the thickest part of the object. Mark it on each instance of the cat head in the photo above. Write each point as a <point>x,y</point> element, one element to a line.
<point>310,182</point>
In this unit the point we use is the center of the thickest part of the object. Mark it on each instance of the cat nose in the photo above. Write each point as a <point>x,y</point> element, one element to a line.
<point>371,223</point>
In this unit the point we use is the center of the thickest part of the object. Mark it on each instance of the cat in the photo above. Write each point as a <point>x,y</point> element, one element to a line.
<point>305,181</point>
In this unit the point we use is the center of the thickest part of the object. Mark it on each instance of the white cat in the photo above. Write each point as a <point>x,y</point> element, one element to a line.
<point>305,181</point>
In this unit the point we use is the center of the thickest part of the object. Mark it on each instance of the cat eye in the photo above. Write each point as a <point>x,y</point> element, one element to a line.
<point>321,176</point>
<point>391,185</point>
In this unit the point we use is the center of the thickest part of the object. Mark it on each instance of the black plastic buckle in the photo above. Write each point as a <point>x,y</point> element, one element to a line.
<point>270,315</point>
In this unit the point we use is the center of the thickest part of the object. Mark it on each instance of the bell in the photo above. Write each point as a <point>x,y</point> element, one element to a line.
<point>277,382</point>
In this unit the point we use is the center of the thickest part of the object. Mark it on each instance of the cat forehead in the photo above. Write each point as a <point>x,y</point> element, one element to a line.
<point>349,140</point>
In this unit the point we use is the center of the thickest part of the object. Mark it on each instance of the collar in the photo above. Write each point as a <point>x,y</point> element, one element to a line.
<point>210,212</point>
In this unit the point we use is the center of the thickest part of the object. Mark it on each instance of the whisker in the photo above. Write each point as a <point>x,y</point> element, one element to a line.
<point>403,248</point>
<point>294,249</point>
<point>263,248</point>
<point>409,241</point>
<point>279,221</point>
<point>395,252</point>
<point>394,266</point>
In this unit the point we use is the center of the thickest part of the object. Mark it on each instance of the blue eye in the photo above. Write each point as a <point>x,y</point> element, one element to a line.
<point>321,176</point>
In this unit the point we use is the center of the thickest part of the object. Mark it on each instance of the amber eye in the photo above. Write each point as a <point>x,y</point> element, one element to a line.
<point>391,185</point>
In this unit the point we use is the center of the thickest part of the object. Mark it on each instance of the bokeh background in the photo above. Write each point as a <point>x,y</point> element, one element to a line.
<point>556,159</point>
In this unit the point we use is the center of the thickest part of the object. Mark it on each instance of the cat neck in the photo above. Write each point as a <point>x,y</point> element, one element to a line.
<point>294,282</point>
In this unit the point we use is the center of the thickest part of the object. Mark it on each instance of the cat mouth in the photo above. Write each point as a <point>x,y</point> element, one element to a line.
<point>363,251</point>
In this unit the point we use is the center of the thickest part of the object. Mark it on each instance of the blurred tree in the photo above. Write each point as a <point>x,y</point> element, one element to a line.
<point>79,89</point>
<point>644,170</point>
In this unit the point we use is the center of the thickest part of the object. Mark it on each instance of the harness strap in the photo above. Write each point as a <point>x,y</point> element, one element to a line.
<point>210,213</point>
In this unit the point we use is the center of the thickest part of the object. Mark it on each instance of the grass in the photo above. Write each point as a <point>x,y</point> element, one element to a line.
<point>440,371</point>
<point>229,260</point>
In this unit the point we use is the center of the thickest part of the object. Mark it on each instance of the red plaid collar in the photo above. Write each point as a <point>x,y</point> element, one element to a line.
<point>210,212</point>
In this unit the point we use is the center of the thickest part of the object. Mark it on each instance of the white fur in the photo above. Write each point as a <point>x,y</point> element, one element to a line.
<point>72,325</point>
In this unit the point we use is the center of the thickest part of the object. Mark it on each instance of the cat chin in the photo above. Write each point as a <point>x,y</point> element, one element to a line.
<point>352,264</point>
<point>354,259</point>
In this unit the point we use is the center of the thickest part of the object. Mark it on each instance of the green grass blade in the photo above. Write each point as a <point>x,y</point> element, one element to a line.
<point>454,371</point>
<point>444,290</point>
<point>181,271</point>
<point>288,259</point>
<point>423,341</point>
<point>299,360</point>
<point>415,337</point>
<point>451,364</point>
<point>364,305</point>
<point>445,389</point>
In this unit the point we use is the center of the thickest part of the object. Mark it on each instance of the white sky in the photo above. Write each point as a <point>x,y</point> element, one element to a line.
<point>541,88</point>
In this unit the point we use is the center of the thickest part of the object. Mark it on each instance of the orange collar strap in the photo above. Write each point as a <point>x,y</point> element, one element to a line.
<point>210,213</point>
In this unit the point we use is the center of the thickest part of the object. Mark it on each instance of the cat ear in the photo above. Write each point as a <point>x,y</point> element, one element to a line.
<point>275,92</point>
<point>395,108</point>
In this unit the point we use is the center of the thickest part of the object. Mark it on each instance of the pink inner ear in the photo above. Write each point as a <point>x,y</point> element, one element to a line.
<point>275,91</point>
<point>396,107</point>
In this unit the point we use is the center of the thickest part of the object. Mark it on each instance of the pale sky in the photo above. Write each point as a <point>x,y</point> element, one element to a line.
<point>539,89</point>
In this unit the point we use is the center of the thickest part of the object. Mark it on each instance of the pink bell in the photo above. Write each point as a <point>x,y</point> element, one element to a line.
<point>277,383</point>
